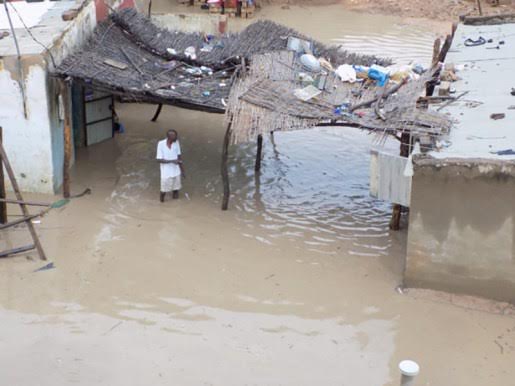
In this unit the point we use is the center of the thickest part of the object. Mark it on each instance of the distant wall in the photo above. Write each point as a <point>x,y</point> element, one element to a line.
<point>462,229</point>
<point>206,23</point>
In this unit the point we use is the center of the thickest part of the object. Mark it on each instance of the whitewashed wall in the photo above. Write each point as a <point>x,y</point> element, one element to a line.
<point>35,144</point>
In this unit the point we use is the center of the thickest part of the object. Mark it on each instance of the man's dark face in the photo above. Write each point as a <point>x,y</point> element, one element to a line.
<point>172,136</point>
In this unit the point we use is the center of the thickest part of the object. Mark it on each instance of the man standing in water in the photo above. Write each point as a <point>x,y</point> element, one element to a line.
<point>169,156</point>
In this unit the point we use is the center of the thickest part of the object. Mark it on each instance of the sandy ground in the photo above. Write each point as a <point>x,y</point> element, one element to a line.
<point>437,10</point>
<point>431,9</point>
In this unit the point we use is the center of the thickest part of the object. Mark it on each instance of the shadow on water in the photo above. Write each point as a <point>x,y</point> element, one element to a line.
<point>313,188</point>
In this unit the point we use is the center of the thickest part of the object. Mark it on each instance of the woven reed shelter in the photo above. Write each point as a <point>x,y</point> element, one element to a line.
<point>250,76</point>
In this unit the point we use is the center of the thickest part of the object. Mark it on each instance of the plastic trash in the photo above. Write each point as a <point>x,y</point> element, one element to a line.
<point>343,109</point>
<point>45,267</point>
<point>379,74</point>
<point>171,51</point>
<point>310,62</point>
<point>190,53</point>
<point>346,73</point>
<point>206,93</point>
<point>206,47</point>
<point>418,69</point>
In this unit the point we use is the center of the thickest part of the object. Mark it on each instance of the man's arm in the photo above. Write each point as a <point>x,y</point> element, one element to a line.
<point>181,166</point>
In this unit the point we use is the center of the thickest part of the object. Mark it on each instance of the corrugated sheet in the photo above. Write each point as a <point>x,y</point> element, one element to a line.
<point>387,180</point>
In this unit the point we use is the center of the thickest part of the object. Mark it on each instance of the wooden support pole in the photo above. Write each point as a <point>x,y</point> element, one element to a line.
<point>436,52</point>
<point>224,169</point>
<point>156,114</point>
<point>23,207</point>
<point>3,204</point>
<point>259,153</point>
<point>445,48</point>
<point>405,150</point>
<point>67,132</point>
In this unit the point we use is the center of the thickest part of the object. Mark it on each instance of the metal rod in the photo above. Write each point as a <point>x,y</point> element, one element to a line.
<point>23,207</point>
<point>17,250</point>
<point>20,68</point>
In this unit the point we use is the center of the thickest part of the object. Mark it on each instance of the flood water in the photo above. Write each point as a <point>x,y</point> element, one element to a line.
<point>294,285</point>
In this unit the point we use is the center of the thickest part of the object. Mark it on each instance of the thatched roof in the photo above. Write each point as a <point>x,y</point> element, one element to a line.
<point>263,100</point>
<point>131,57</point>
<point>152,74</point>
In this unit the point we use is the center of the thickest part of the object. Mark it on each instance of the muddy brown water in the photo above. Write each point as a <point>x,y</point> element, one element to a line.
<point>294,285</point>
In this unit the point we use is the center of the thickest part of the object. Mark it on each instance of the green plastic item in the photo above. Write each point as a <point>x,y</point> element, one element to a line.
<point>60,203</point>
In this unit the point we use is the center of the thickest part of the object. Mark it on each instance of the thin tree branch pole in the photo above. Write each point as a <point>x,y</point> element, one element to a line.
<point>445,48</point>
<point>20,68</point>
<point>158,111</point>
<point>387,93</point>
<point>479,7</point>
<point>436,52</point>
<point>377,105</point>
<point>3,195</point>
<point>67,132</point>
<point>23,207</point>
<point>224,170</point>
<point>150,8</point>
<point>259,153</point>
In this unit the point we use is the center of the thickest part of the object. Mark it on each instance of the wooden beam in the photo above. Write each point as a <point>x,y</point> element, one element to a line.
<point>158,111</point>
<point>405,150</point>
<point>224,169</point>
<point>23,207</point>
<point>259,153</point>
<point>479,7</point>
<point>20,221</point>
<point>30,203</point>
<point>67,132</point>
<point>3,205</point>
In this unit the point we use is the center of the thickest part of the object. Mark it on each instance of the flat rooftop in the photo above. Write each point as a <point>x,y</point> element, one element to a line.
<point>43,19</point>
<point>487,78</point>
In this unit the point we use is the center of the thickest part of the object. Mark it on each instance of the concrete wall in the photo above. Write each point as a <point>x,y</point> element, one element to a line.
<point>27,141</point>
<point>206,23</point>
<point>462,229</point>
<point>34,143</point>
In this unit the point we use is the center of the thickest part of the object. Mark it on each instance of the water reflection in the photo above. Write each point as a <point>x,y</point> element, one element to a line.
<point>313,187</point>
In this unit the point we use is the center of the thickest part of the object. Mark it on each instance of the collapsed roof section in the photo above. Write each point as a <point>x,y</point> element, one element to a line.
<point>131,57</point>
